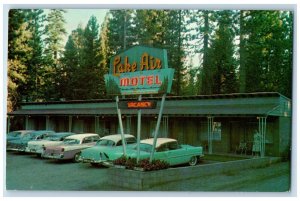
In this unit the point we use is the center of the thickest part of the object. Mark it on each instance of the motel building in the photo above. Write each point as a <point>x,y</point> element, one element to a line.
<point>219,123</point>
<point>227,123</point>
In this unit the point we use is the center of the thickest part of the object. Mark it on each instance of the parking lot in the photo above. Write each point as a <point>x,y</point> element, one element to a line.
<point>28,172</point>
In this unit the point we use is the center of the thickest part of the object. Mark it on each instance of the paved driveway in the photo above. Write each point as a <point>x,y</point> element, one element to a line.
<point>28,172</point>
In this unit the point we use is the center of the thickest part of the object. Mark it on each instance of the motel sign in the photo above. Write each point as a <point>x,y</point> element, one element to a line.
<point>139,70</point>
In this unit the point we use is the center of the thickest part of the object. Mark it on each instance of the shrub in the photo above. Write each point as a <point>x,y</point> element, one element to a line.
<point>154,165</point>
<point>130,163</point>
<point>120,161</point>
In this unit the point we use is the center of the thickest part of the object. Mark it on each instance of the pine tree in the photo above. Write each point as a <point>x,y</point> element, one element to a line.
<point>70,62</point>
<point>91,63</point>
<point>268,51</point>
<point>175,40</point>
<point>222,62</point>
<point>36,63</point>
<point>18,54</point>
<point>104,52</point>
<point>54,32</point>
<point>120,31</point>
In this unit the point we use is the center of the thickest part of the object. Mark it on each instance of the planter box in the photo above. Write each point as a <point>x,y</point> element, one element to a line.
<point>119,166</point>
<point>140,180</point>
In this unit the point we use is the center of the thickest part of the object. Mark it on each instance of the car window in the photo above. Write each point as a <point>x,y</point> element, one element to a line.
<point>39,137</point>
<point>119,143</point>
<point>71,141</point>
<point>163,147</point>
<point>87,140</point>
<point>106,142</point>
<point>131,140</point>
<point>173,145</point>
<point>145,147</point>
<point>95,138</point>
<point>14,134</point>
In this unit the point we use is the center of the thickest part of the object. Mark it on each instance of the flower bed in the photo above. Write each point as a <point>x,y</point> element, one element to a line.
<point>142,165</point>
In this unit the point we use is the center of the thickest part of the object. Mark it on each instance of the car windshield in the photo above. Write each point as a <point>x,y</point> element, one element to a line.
<point>30,136</point>
<point>108,143</point>
<point>145,147</point>
<point>52,137</point>
<point>14,134</point>
<point>71,141</point>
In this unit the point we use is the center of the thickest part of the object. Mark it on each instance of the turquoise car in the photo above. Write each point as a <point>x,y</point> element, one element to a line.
<point>166,149</point>
<point>110,144</point>
<point>169,150</point>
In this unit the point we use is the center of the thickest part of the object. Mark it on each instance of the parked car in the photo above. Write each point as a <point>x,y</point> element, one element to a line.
<point>96,154</point>
<point>166,149</point>
<point>21,144</point>
<point>14,135</point>
<point>38,146</point>
<point>71,147</point>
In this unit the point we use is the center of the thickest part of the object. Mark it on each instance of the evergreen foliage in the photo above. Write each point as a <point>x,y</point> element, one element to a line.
<point>210,51</point>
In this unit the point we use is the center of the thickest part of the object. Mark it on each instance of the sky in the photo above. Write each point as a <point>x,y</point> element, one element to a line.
<point>74,17</point>
<point>81,16</point>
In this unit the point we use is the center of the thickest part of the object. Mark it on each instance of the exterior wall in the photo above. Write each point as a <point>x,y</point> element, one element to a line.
<point>36,123</point>
<point>285,137</point>
<point>187,130</point>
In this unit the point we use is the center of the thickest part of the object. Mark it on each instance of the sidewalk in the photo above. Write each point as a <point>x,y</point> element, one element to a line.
<point>235,181</point>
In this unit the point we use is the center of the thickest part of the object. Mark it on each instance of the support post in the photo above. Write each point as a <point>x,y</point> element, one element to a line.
<point>210,133</point>
<point>27,122</point>
<point>8,124</point>
<point>139,130</point>
<point>165,126</point>
<point>70,123</point>
<point>121,125</point>
<point>97,124</point>
<point>157,126</point>
<point>47,122</point>
<point>262,125</point>
<point>128,124</point>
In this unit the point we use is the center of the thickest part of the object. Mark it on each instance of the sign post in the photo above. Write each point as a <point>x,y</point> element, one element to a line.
<point>139,130</point>
<point>157,126</point>
<point>136,71</point>
<point>121,126</point>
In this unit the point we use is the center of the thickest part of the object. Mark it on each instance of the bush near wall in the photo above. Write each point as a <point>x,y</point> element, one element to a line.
<point>143,164</point>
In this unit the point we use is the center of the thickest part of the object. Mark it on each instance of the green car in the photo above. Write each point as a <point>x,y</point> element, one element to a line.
<point>166,149</point>
<point>107,145</point>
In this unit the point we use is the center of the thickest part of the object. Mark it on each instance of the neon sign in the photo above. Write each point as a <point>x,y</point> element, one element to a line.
<point>139,70</point>
<point>137,105</point>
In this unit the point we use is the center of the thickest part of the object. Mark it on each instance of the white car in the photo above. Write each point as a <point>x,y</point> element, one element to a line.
<point>71,147</point>
<point>38,146</point>
<point>109,143</point>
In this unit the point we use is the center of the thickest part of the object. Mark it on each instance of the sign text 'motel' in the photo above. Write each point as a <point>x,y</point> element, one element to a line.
<point>139,70</point>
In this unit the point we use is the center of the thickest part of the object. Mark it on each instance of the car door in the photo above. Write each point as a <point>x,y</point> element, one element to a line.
<point>175,154</point>
<point>162,153</point>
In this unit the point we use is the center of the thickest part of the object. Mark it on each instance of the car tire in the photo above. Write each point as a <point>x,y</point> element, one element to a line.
<point>193,161</point>
<point>76,158</point>
<point>95,164</point>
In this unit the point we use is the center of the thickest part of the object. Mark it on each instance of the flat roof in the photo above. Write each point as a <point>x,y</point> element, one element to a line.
<point>237,104</point>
